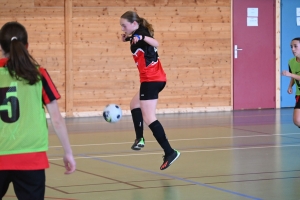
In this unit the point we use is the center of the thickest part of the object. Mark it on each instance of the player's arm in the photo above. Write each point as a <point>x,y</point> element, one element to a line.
<point>125,38</point>
<point>151,41</point>
<point>290,74</point>
<point>290,88</point>
<point>292,82</point>
<point>50,96</point>
<point>295,76</point>
<point>61,131</point>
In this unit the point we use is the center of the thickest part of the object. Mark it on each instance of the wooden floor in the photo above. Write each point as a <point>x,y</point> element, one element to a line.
<point>224,156</point>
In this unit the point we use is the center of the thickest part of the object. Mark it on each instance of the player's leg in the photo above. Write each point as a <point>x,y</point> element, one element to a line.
<point>138,122</point>
<point>148,105</point>
<point>29,184</point>
<point>4,182</point>
<point>296,116</point>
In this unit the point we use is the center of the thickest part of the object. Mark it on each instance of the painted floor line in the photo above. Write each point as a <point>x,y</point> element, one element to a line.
<point>176,140</point>
<point>175,177</point>
<point>193,151</point>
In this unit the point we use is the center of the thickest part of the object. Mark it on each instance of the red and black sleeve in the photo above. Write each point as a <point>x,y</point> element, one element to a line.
<point>50,92</point>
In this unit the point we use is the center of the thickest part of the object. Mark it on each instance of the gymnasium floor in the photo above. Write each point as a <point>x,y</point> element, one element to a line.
<point>236,155</point>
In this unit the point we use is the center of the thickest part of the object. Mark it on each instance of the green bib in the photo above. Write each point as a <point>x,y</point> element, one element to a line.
<point>23,125</point>
<point>295,68</point>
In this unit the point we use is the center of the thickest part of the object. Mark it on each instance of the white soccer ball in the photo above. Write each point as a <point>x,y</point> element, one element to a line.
<point>112,113</point>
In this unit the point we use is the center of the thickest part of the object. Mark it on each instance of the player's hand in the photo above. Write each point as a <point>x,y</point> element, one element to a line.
<point>286,73</point>
<point>135,39</point>
<point>123,37</point>
<point>70,163</point>
<point>290,90</point>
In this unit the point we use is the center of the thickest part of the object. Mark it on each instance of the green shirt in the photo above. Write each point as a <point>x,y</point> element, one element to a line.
<point>23,125</point>
<point>294,67</point>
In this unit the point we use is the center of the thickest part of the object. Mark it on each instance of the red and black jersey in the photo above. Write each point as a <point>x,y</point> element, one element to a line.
<point>49,92</point>
<point>147,59</point>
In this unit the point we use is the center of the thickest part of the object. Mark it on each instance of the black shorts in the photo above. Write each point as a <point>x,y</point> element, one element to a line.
<point>297,105</point>
<point>150,90</point>
<point>28,184</point>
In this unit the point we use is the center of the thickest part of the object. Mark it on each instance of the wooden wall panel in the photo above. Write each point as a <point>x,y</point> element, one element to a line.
<point>49,3</point>
<point>69,56</point>
<point>157,3</point>
<point>45,27</point>
<point>16,3</point>
<point>195,50</point>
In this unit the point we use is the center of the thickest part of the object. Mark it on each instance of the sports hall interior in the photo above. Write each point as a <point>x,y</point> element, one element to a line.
<point>227,153</point>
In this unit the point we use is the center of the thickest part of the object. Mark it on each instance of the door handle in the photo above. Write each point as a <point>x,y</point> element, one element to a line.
<point>236,51</point>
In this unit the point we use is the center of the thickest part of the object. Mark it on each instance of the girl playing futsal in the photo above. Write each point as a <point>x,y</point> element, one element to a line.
<point>24,88</point>
<point>294,73</point>
<point>153,80</point>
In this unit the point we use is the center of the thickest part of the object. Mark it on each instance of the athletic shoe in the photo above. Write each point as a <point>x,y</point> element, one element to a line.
<point>138,144</point>
<point>168,160</point>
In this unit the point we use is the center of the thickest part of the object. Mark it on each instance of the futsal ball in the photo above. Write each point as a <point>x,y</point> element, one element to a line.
<point>112,113</point>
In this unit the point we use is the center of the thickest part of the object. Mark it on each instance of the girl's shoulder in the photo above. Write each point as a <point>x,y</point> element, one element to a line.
<point>292,60</point>
<point>3,62</point>
<point>142,31</point>
<point>293,63</point>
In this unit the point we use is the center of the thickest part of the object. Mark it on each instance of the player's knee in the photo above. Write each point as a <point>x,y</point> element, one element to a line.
<point>148,119</point>
<point>134,104</point>
<point>297,122</point>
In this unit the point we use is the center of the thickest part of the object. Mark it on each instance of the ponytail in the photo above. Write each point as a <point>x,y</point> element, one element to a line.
<point>20,64</point>
<point>149,26</point>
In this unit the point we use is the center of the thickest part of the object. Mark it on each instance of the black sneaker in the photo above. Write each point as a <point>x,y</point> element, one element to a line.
<point>168,160</point>
<point>138,144</point>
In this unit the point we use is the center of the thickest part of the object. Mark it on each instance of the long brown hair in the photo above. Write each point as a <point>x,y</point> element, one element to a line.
<point>20,64</point>
<point>132,16</point>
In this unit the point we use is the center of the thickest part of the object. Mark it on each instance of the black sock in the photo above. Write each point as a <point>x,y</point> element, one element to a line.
<point>138,121</point>
<point>160,136</point>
